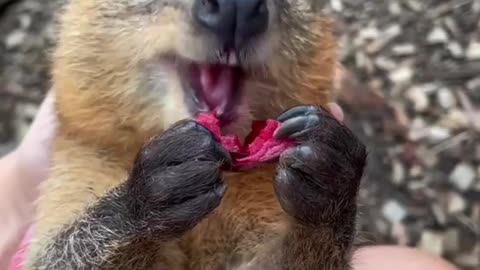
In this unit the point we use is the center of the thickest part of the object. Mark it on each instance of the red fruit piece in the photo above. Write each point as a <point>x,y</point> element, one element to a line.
<point>231,142</point>
<point>260,146</point>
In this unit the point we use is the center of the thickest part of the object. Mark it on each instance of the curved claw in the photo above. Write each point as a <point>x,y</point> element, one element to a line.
<point>299,111</point>
<point>297,126</point>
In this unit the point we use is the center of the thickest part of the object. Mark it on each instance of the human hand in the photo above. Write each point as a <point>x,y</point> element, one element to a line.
<point>27,166</point>
<point>20,174</point>
<point>33,154</point>
<point>336,111</point>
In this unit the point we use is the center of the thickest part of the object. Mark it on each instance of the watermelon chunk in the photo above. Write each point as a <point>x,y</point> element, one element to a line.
<point>259,147</point>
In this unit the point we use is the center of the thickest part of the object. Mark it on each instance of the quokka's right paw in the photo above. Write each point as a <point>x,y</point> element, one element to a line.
<point>176,180</point>
<point>317,181</point>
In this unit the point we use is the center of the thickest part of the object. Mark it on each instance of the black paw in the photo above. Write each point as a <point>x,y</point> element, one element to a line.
<point>176,180</point>
<point>317,181</point>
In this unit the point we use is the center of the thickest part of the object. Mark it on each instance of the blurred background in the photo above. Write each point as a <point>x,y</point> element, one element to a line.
<point>411,90</point>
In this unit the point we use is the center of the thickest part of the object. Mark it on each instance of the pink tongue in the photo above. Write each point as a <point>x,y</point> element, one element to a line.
<point>217,86</point>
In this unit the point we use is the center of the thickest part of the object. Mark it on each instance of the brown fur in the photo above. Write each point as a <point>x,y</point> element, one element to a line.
<point>104,121</point>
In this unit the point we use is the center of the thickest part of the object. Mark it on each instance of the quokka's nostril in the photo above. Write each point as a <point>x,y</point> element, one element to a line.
<point>234,22</point>
<point>211,6</point>
<point>261,8</point>
<point>252,20</point>
<point>216,16</point>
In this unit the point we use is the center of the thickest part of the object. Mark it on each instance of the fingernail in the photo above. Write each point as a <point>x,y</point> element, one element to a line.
<point>336,111</point>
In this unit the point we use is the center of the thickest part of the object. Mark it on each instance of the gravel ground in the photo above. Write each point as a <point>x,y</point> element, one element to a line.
<point>411,92</point>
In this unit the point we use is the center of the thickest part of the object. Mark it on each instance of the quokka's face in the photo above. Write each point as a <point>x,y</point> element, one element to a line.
<point>191,55</point>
